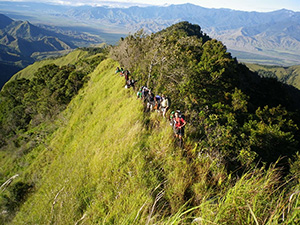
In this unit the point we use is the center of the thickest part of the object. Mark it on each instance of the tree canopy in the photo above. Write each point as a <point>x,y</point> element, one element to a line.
<point>223,100</point>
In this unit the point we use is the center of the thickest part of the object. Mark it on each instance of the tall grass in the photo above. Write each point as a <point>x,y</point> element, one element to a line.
<point>110,163</point>
<point>96,164</point>
<point>255,198</point>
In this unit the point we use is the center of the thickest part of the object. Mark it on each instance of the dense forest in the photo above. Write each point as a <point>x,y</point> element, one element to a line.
<point>240,162</point>
<point>25,103</point>
<point>253,118</point>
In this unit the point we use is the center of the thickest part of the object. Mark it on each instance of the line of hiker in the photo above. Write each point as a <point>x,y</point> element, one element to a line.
<point>129,82</point>
<point>158,103</point>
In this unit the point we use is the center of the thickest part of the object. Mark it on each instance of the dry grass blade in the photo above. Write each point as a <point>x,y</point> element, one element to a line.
<point>252,213</point>
<point>8,182</point>
<point>157,198</point>
<point>137,215</point>
<point>82,218</point>
<point>53,204</point>
<point>290,200</point>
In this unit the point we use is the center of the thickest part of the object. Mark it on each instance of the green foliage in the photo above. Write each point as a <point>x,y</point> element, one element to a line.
<point>272,134</point>
<point>103,160</point>
<point>26,102</point>
<point>12,112</point>
<point>220,97</point>
<point>28,111</point>
<point>239,101</point>
<point>288,75</point>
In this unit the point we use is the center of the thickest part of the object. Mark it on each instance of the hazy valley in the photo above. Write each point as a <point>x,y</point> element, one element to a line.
<point>271,37</point>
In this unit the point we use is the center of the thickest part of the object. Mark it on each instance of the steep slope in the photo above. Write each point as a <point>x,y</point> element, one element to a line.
<point>289,75</point>
<point>95,166</point>
<point>22,43</point>
<point>4,21</point>
<point>70,58</point>
<point>7,70</point>
<point>108,162</point>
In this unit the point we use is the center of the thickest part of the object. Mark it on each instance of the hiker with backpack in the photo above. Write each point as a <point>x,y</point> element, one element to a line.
<point>145,92</point>
<point>150,101</point>
<point>165,104</point>
<point>157,100</point>
<point>130,83</point>
<point>118,70</point>
<point>179,126</point>
<point>126,74</point>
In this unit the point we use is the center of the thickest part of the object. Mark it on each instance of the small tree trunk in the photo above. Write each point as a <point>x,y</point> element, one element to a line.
<point>150,68</point>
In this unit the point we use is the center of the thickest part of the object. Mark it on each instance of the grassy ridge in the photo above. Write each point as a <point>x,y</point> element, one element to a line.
<point>60,61</point>
<point>95,162</point>
<point>109,163</point>
<point>105,161</point>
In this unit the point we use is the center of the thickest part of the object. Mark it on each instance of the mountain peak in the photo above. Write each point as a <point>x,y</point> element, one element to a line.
<point>26,30</point>
<point>4,21</point>
<point>186,28</point>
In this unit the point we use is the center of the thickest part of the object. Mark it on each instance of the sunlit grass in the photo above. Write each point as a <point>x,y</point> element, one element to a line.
<point>111,163</point>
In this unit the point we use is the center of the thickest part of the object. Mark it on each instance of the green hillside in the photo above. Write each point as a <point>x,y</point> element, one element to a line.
<point>95,145</point>
<point>289,75</point>
<point>22,43</point>
<point>60,61</point>
<point>94,155</point>
<point>104,157</point>
<point>104,166</point>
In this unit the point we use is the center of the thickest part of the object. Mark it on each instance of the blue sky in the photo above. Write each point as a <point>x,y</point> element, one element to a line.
<point>245,5</point>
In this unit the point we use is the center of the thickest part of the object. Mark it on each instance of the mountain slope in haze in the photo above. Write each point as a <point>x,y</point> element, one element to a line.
<point>266,38</point>
<point>272,35</point>
<point>289,75</point>
<point>105,159</point>
<point>24,39</point>
<point>5,21</point>
<point>277,40</point>
<point>22,43</point>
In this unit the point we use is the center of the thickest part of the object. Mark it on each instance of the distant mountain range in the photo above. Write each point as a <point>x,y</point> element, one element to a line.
<point>255,37</point>
<point>274,35</point>
<point>271,38</point>
<point>22,43</point>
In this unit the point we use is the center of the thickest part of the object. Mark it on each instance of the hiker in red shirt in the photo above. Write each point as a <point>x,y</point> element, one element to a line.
<point>179,126</point>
